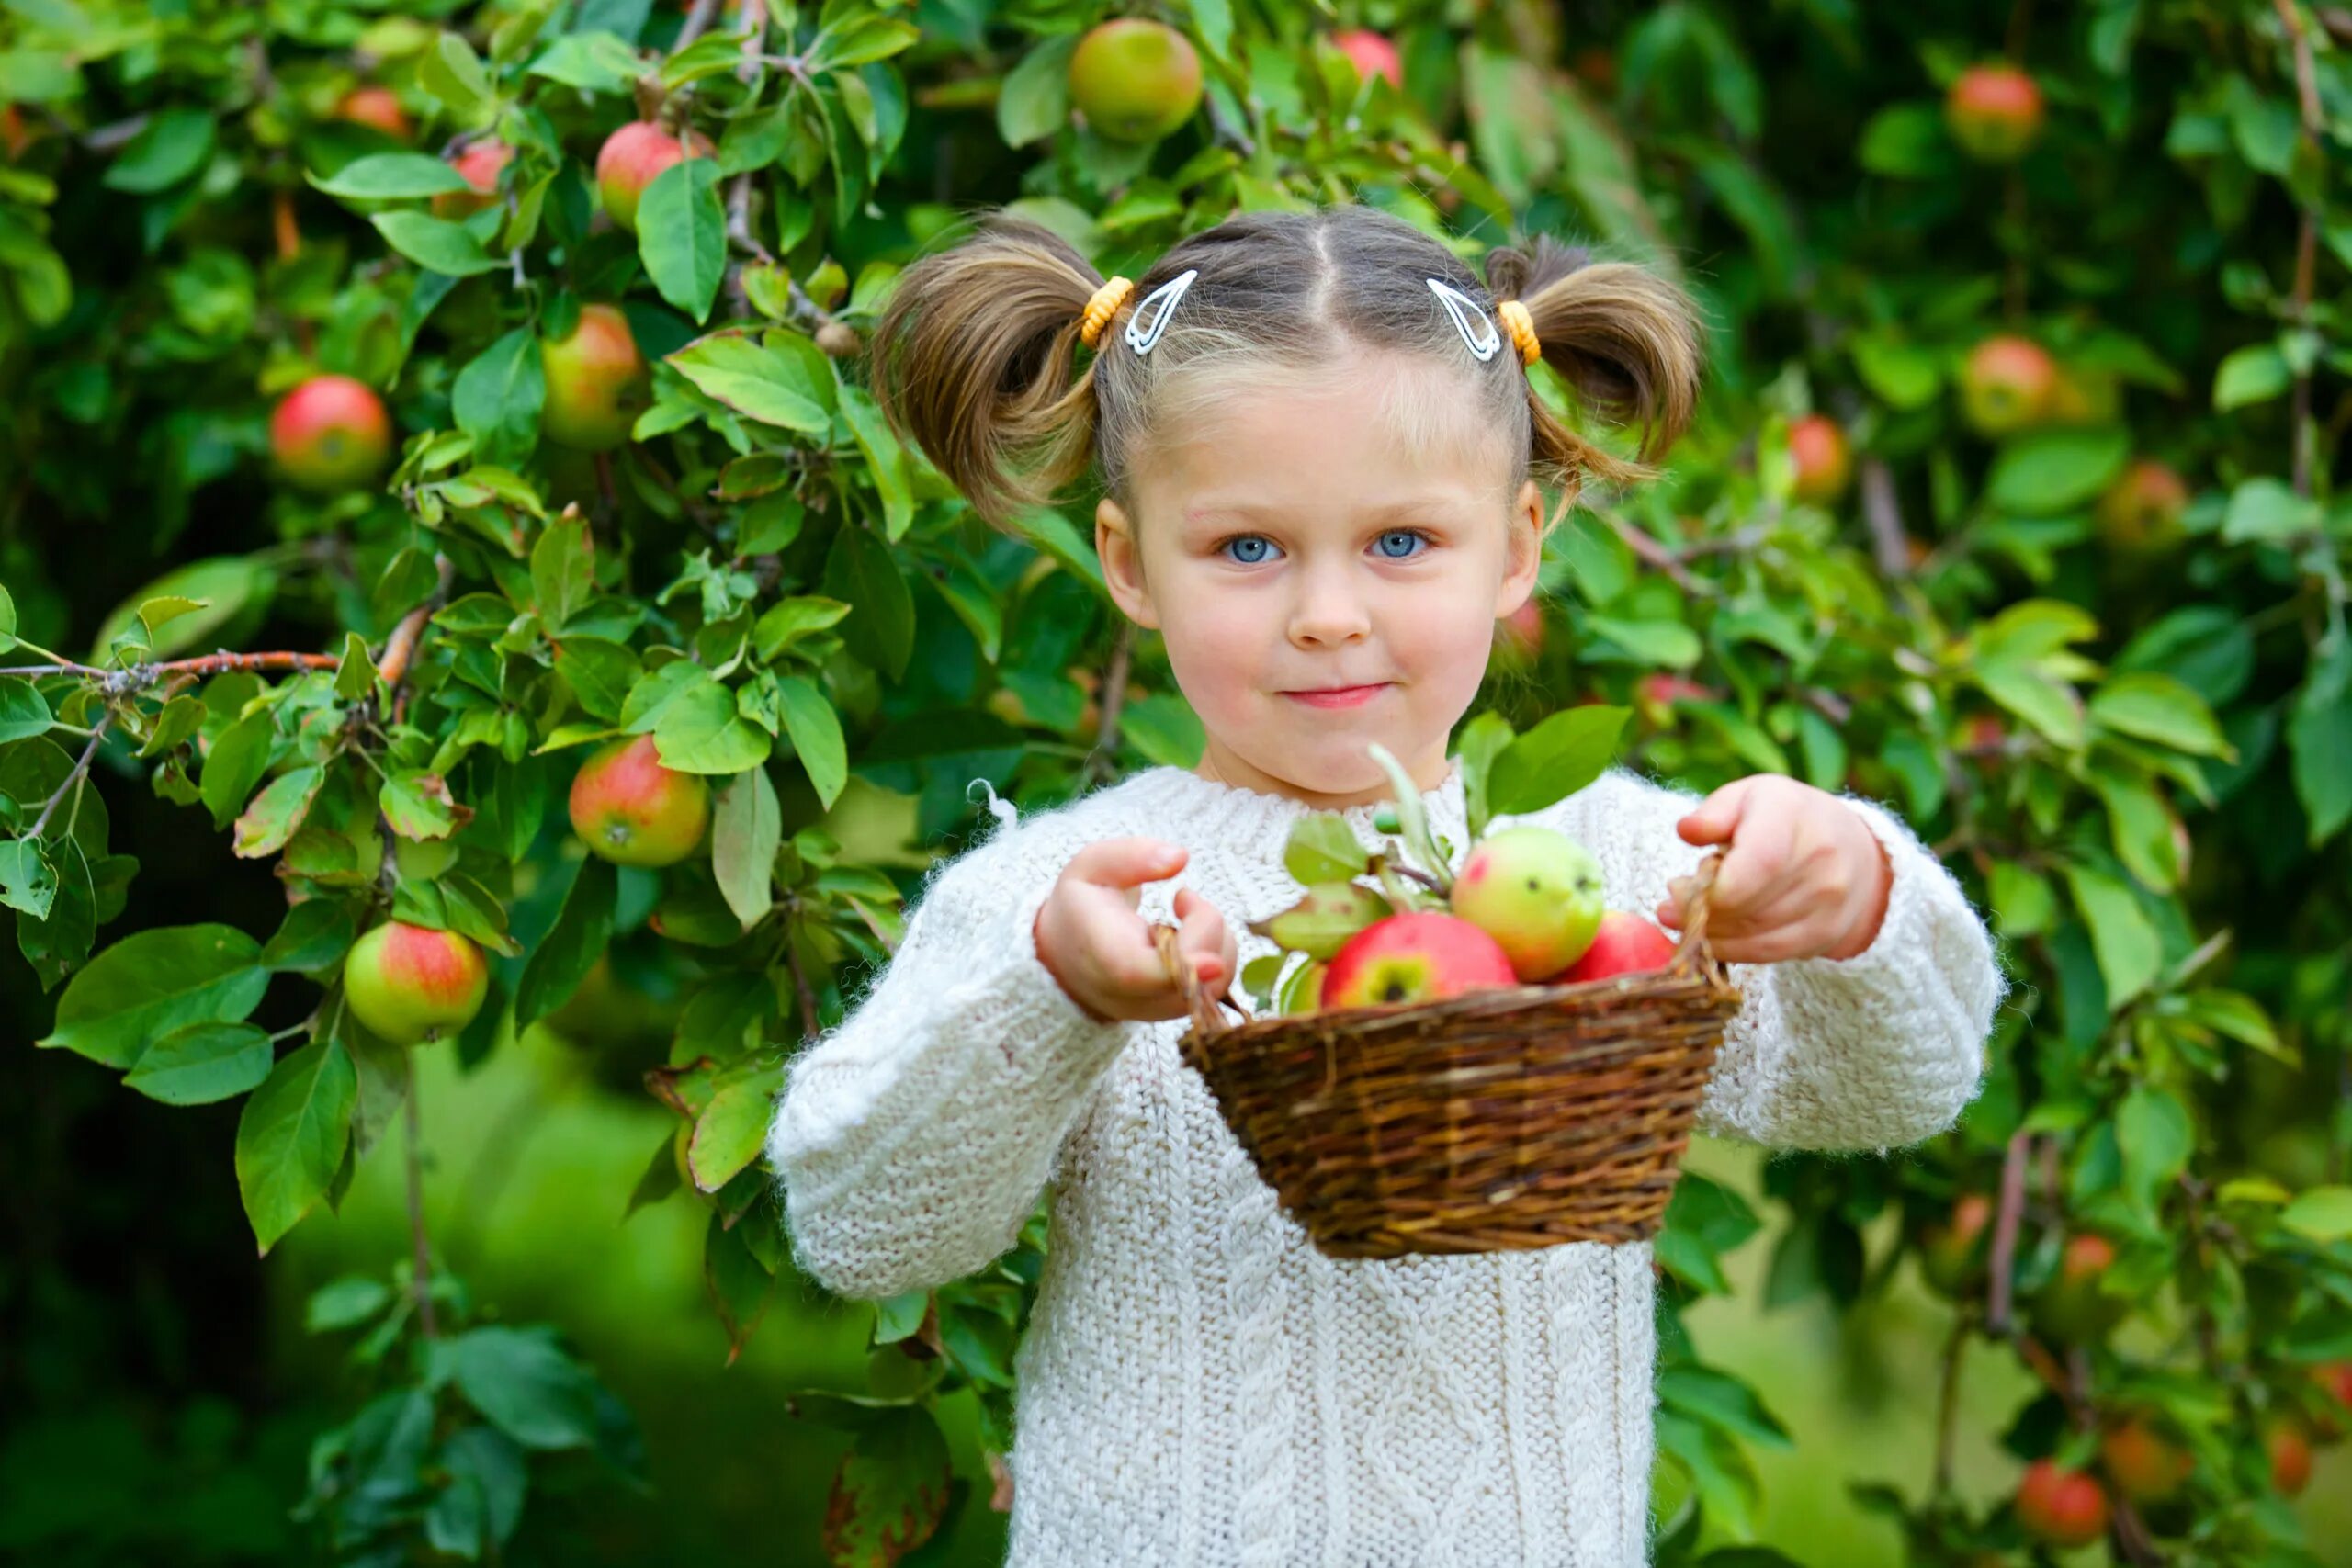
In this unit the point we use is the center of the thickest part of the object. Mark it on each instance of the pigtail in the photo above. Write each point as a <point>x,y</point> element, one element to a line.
<point>1627,340</point>
<point>972,361</point>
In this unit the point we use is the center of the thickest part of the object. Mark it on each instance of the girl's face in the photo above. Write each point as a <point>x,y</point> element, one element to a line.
<point>1293,543</point>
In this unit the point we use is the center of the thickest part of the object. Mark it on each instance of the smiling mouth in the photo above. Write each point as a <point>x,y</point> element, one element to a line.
<point>1339,696</point>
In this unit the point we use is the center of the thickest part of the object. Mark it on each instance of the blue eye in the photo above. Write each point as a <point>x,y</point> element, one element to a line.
<point>1239,540</point>
<point>1400,534</point>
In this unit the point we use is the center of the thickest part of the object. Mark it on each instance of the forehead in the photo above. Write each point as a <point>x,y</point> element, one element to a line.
<point>1365,427</point>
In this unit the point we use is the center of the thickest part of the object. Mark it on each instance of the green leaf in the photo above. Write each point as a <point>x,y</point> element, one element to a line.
<point>238,758</point>
<point>2056,470</point>
<point>435,245</point>
<point>2265,510</point>
<point>2157,1135</point>
<point>1322,848</point>
<point>600,673</point>
<point>277,812</point>
<point>815,731</point>
<point>794,618</point>
<point>2128,950</point>
<point>756,381</point>
<point>582,928</point>
<point>173,145</point>
<point>392,177</point>
<point>1555,759</point>
<point>498,395</point>
<point>729,1132</point>
<point>1034,103</point>
<point>745,832</point>
<point>203,1063</point>
<point>595,62</point>
<point>344,1303</point>
<point>1906,140</point>
<point>525,1385</point>
<point>314,934</point>
<point>2159,708</point>
<point>1164,727</point>
<point>24,712</point>
<point>7,620</point>
<point>2322,1213</point>
<point>859,42</point>
<point>702,730</point>
<point>226,586</point>
<point>291,1137</point>
<point>1667,644</point>
<point>887,460</point>
<point>153,982</point>
<point>890,1492</point>
<point>861,570</point>
<point>417,805</point>
<point>563,572</point>
<point>1904,375</point>
<point>452,72</point>
<point>2255,374</point>
<point>2320,735</point>
<point>2049,706</point>
<point>28,881</point>
<point>682,234</point>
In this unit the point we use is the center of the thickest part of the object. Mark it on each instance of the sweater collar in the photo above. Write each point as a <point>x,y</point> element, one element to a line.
<point>1256,825</point>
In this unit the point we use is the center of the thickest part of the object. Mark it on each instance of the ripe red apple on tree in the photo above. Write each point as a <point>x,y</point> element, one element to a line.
<point>1419,956</point>
<point>1537,892</point>
<point>329,434</point>
<point>377,106</point>
<point>1825,462</point>
<point>2061,1507</point>
<point>632,155</point>
<point>1995,113</point>
<point>1952,1251</point>
<point>411,984</point>
<point>2290,1446</point>
<point>479,165</point>
<point>2335,1379</point>
<point>1373,53</point>
<point>1625,944</point>
<point>632,810</point>
<point>597,381</point>
<point>2071,1307</point>
<point>1135,80</point>
<point>2141,510</point>
<point>2006,383</point>
<point>2144,1467</point>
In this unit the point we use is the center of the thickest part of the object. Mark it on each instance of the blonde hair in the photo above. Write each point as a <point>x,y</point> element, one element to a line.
<point>975,359</point>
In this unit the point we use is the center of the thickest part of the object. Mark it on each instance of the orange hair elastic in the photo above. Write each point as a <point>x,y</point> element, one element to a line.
<point>1521,327</point>
<point>1102,306</point>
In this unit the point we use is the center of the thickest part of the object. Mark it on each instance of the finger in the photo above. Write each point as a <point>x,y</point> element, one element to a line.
<point>1804,940</point>
<point>1717,815</point>
<point>1202,938</point>
<point>1785,908</point>
<point>1126,862</point>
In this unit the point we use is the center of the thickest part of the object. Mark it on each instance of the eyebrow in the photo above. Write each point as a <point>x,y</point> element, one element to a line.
<point>1417,507</point>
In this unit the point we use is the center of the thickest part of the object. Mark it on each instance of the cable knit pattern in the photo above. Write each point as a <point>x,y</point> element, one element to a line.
<point>1199,1387</point>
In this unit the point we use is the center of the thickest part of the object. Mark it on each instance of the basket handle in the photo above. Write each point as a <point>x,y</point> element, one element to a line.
<point>1207,1018</point>
<point>1693,955</point>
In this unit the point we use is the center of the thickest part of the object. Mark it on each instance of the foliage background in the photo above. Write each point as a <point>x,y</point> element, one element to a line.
<point>2176,1074</point>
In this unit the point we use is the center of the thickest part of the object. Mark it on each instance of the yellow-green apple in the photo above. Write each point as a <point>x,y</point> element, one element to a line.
<point>2144,1467</point>
<point>1135,80</point>
<point>1623,945</point>
<point>2006,383</point>
<point>1824,463</point>
<point>1994,112</point>
<point>597,382</point>
<point>2071,1306</point>
<point>632,810</point>
<point>479,165</point>
<point>378,106</point>
<point>411,984</point>
<point>1371,54</point>
<point>1418,956</point>
<point>1537,892</point>
<point>632,155</point>
<point>1952,1251</point>
<point>330,434</point>
<point>2058,1507</point>
<point>2141,510</point>
<point>1302,990</point>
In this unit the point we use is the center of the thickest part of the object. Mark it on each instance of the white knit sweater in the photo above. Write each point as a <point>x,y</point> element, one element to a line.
<point>1199,1387</point>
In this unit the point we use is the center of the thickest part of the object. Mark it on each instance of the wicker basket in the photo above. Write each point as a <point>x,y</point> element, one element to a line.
<point>1492,1121</point>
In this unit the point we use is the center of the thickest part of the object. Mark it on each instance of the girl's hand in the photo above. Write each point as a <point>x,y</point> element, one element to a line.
<point>1093,942</point>
<point>1803,875</point>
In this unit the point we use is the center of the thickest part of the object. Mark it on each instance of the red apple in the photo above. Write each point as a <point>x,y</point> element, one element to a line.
<point>2141,510</point>
<point>1952,1251</point>
<point>2005,384</point>
<point>1418,956</point>
<point>330,434</point>
<point>1995,113</point>
<point>1537,892</point>
<point>2335,1379</point>
<point>2071,1307</point>
<point>1373,53</point>
<point>2289,1448</point>
<point>411,984</point>
<point>2061,1507</point>
<point>1625,944</point>
<point>2144,1466</point>
<point>479,163</point>
<point>1135,80</point>
<point>597,382</point>
<point>1824,463</point>
<point>632,810</point>
<point>378,106</point>
<point>629,159</point>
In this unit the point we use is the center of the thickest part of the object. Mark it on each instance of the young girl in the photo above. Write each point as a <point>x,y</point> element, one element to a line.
<point>1319,446</point>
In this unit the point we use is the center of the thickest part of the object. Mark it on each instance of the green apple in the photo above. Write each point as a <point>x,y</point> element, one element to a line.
<point>1537,892</point>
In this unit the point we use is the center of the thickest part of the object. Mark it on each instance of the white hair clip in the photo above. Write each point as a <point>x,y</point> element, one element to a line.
<point>1464,310</point>
<point>1138,336</point>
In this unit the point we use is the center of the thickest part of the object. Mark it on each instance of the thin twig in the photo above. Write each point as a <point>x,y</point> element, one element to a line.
<point>80,771</point>
<point>2004,1231</point>
<point>1948,1398</point>
<point>1654,554</point>
<point>1109,698</point>
<point>697,22</point>
<point>1889,542</point>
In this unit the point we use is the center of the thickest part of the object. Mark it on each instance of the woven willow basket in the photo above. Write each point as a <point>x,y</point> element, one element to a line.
<point>1497,1121</point>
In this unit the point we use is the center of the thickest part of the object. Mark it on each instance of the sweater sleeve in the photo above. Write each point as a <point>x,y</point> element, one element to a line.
<point>912,1141</point>
<point>1877,1051</point>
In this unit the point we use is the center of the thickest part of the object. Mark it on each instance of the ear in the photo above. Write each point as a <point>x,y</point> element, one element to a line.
<point>1122,556</point>
<point>1523,550</point>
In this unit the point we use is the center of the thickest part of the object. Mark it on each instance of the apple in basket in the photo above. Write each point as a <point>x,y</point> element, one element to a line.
<point>1625,944</point>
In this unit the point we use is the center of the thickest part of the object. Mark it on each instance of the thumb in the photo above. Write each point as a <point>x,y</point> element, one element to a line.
<point>1717,815</point>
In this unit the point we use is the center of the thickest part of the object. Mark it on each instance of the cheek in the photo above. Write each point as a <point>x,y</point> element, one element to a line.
<point>1215,645</point>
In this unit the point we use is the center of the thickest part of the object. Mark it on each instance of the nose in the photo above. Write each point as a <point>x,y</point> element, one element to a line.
<point>1328,612</point>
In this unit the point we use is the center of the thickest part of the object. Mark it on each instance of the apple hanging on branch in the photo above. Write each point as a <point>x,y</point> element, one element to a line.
<point>1526,907</point>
